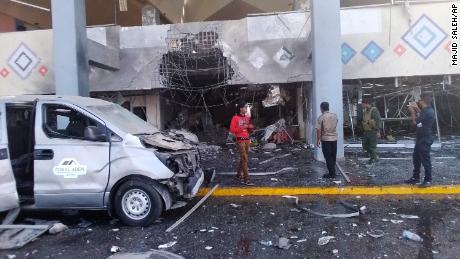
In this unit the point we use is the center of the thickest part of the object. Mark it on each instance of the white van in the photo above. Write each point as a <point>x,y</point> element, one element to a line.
<point>68,152</point>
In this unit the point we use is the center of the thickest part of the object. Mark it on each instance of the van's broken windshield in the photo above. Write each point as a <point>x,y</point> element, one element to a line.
<point>123,119</point>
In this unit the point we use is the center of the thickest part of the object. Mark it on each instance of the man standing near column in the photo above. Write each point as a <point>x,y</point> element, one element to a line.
<point>424,139</point>
<point>326,137</point>
<point>371,127</point>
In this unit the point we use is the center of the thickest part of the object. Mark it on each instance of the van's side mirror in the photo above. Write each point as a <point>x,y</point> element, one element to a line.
<point>93,133</point>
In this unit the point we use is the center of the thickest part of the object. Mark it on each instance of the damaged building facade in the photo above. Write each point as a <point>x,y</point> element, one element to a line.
<point>190,75</point>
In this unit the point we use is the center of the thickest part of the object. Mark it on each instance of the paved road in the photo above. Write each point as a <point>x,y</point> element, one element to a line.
<point>236,232</point>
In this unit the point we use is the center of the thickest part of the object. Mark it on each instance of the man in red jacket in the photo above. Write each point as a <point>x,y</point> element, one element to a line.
<point>241,127</point>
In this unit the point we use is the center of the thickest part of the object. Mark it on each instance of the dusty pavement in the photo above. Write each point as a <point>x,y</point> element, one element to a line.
<point>222,230</point>
<point>236,232</point>
<point>293,165</point>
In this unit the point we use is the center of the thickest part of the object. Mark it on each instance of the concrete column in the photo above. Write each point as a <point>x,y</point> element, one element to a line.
<point>153,107</point>
<point>300,108</point>
<point>327,65</point>
<point>71,68</point>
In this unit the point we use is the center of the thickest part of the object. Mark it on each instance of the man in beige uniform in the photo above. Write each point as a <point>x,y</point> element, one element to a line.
<point>326,136</point>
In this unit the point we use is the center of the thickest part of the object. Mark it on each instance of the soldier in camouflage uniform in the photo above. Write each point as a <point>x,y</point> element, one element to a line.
<point>371,125</point>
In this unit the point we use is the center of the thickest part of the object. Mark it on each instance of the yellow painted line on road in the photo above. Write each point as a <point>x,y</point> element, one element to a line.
<point>348,190</point>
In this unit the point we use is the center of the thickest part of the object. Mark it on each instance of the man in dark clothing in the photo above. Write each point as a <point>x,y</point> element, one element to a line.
<point>326,136</point>
<point>424,139</point>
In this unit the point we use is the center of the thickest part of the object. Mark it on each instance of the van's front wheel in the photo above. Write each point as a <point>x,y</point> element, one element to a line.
<point>137,203</point>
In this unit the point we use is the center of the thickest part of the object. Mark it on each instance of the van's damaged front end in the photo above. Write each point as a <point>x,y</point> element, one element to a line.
<point>183,159</point>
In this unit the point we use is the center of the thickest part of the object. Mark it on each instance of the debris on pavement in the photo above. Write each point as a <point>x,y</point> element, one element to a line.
<point>283,243</point>
<point>208,248</point>
<point>325,240</point>
<point>192,209</point>
<point>274,158</point>
<point>296,199</point>
<point>412,236</point>
<point>342,215</point>
<point>266,243</point>
<point>269,146</point>
<point>286,169</point>
<point>16,236</point>
<point>11,216</point>
<point>115,249</point>
<point>409,216</point>
<point>235,205</point>
<point>376,233</point>
<point>57,228</point>
<point>84,223</point>
<point>167,245</point>
<point>343,173</point>
<point>157,254</point>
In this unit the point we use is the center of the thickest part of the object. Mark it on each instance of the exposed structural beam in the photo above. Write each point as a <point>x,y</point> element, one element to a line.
<point>171,9</point>
<point>71,68</point>
<point>327,65</point>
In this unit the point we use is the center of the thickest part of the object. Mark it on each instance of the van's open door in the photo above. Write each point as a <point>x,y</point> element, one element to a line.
<point>9,198</point>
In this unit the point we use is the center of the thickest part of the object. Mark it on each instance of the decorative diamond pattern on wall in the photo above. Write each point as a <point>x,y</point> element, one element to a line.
<point>372,51</point>
<point>4,72</point>
<point>424,36</point>
<point>347,53</point>
<point>400,50</point>
<point>23,61</point>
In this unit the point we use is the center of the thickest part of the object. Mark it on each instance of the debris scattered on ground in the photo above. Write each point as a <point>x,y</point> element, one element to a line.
<point>296,199</point>
<point>286,169</point>
<point>209,148</point>
<point>283,243</point>
<point>57,228</point>
<point>274,179</point>
<point>343,173</point>
<point>235,205</point>
<point>15,236</point>
<point>345,215</point>
<point>325,240</point>
<point>412,236</point>
<point>335,251</point>
<point>409,216</point>
<point>266,243</point>
<point>11,216</point>
<point>302,240</point>
<point>192,209</point>
<point>114,221</point>
<point>295,210</point>
<point>157,254</point>
<point>167,245</point>
<point>274,158</point>
<point>84,223</point>
<point>269,146</point>
<point>115,249</point>
<point>376,233</point>
<point>208,248</point>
